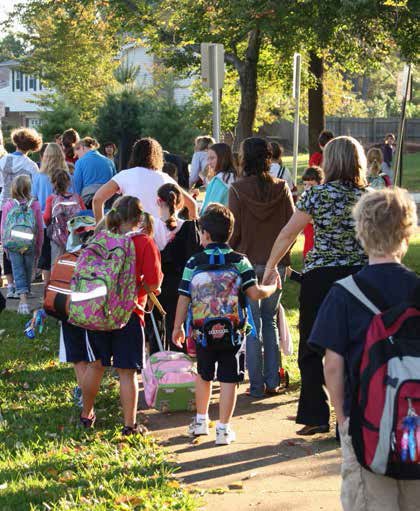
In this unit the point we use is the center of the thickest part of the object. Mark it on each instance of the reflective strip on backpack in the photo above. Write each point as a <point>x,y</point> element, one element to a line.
<point>23,235</point>
<point>66,263</point>
<point>79,296</point>
<point>59,290</point>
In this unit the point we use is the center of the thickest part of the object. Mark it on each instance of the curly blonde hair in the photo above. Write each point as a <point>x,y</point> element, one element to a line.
<point>385,220</point>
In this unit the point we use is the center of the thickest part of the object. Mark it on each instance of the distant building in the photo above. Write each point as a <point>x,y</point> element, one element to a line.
<point>17,93</point>
<point>133,54</point>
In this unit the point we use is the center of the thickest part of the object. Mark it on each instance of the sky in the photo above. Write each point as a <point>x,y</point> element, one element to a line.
<point>6,6</point>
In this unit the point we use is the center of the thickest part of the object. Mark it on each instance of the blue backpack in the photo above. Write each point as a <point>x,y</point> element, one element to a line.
<point>20,228</point>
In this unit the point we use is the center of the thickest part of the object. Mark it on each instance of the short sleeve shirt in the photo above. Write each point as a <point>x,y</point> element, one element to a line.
<point>239,261</point>
<point>330,206</point>
<point>342,322</point>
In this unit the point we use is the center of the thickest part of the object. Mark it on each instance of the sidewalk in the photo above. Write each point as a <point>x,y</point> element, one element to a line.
<point>269,465</point>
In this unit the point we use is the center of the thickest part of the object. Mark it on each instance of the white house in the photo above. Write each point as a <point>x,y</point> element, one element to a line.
<point>136,55</point>
<point>17,93</point>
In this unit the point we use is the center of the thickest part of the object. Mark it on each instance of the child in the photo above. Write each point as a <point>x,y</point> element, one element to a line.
<point>177,240</point>
<point>125,346</point>
<point>385,220</point>
<point>199,159</point>
<point>60,207</point>
<point>376,178</point>
<point>277,169</point>
<point>216,227</point>
<point>311,177</point>
<point>221,166</point>
<point>25,140</point>
<point>22,235</point>
<point>316,158</point>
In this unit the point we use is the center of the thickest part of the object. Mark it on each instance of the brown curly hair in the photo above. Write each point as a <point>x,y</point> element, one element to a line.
<point>148,153</point>
<point>27,139</point>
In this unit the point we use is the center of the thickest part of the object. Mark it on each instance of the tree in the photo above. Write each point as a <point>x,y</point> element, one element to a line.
<point>72,46</point>
<point>175,28</point>
<point>11,47</point>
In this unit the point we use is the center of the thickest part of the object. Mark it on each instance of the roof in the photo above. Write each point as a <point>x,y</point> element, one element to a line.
<point>9,63</point>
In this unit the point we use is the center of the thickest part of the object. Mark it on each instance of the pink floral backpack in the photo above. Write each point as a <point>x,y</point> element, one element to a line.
<point>103,287</point>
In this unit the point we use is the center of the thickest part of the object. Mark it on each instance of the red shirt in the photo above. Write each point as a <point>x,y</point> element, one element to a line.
<point>308,232</point>
<point>315,160</point>
<point>148,269</point>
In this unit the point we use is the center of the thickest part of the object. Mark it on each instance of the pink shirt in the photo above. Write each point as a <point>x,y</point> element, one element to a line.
<point>36,208</point>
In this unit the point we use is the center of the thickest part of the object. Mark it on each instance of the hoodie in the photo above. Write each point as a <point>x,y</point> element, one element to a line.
<point>258,218</point>
<point>11,166</point>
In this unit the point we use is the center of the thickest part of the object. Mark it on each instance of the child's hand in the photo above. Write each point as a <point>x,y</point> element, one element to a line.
<point>178,336</point>
<point>271,276</point>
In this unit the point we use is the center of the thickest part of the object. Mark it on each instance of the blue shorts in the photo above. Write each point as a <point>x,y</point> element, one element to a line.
<point>75,344</point>
<point>122,348</point>
<point>230,365</point>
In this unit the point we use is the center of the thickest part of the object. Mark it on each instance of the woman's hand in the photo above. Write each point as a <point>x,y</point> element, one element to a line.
<point>271,276</point>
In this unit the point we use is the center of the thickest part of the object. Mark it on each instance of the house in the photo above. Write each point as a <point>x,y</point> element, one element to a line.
<point>18,92</point>
<point>133,54</point>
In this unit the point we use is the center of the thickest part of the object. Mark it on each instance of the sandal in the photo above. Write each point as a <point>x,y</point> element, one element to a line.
<point>87,422</point>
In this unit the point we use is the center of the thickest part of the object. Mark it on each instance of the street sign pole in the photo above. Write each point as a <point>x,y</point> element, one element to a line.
<point>212,75</point>
<point>296,96</point>
<point>398,168</point>
<point>215,92</point>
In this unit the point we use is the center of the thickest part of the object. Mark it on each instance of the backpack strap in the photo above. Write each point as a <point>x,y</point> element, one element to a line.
<point>220,255</point>
<point>349,284</point>
<point>281,171</point>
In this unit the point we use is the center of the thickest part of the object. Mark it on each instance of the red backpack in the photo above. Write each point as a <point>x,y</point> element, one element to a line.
<point>385,413</point>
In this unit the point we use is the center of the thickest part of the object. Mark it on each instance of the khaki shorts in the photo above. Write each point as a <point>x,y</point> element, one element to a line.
<point>362,490</point>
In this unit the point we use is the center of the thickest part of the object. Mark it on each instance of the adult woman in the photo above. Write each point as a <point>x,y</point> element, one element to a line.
<point>336,254</point>
<point>261,205</point>
<point>141,180</point>
<point>92,169</point>
<point>220,163</point>
<point>52,160</point>
<point>110,151</point>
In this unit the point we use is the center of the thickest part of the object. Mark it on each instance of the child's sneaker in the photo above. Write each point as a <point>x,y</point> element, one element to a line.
<point>23,309</point>
<point>198,427</point>
<point>11,293</point>
<point>224,435</point>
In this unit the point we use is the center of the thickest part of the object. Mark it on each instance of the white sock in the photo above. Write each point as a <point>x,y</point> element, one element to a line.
<point>200,417</point>
<point>220,425</point>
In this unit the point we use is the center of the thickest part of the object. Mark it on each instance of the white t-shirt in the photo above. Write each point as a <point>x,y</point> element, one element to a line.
<point>143,183</point>
<point>162,235</point>
<point>287,176</point>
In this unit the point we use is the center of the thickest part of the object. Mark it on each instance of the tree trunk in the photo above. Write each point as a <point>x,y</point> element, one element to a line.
<point>316,117</point>
<point>247,70</point>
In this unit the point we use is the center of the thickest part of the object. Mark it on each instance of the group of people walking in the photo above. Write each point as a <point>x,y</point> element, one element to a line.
<point>249,220</point>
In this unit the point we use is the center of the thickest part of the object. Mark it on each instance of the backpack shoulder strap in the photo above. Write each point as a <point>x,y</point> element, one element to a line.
<point>349,284</point>
<point>281,171</point>
<point>235,191</point>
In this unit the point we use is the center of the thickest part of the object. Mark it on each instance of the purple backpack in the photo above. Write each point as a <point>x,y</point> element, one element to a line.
<point>103,287</point>
<point>64,208</point>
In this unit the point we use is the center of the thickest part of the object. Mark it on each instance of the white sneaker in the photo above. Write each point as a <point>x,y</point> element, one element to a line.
<point>11,293</point>
<point>197,428</point>
<point>225,436</point>
<point>23,309</point>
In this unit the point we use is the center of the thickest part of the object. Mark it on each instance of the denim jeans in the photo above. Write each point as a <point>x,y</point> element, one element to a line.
<point>22,265</point>
<point>264,369</point>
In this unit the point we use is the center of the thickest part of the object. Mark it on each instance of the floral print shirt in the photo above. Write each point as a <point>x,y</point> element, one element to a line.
<point>330,206</point>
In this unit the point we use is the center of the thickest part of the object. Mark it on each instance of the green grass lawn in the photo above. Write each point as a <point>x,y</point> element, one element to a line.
<point>48,463</point>
<point>411,169</point>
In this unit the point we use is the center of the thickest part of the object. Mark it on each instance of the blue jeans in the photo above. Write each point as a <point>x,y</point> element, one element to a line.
<point>22,265</point>
<point>264,369</point>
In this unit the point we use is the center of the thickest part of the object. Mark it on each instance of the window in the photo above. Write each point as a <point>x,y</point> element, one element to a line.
<point>32,83</point>
<point>18,80</point>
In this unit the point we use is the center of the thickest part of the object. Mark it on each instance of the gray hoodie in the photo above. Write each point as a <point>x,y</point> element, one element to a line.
<point>11,166</point>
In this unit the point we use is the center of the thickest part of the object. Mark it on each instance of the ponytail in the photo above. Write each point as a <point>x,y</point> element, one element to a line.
<point>128,210</point>
<point>148,224</point>
<point>171,195</point>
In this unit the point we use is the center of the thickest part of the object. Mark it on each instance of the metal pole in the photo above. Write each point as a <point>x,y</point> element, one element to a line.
<point>296,95</point>
<point>215,92</point>
<point>401,129</point>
